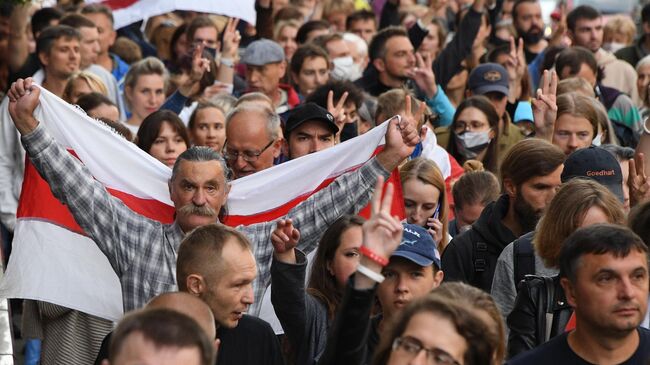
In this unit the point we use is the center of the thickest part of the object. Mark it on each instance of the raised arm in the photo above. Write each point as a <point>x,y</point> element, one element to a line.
<point>112,225</point>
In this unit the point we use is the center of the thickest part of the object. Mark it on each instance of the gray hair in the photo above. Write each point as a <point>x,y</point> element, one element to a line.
<point>359,43</point>
<point>201,154</point>
<point>273,127</point>
<point>643,62</point>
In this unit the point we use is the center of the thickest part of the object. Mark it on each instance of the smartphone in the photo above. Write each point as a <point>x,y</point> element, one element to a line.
<point>435,215</point>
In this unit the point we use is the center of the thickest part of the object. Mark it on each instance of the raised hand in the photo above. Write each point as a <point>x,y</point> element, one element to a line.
<point>337,111</point>
<point>23,100</point>
<point>545,106</point>
<point>516,62</point>
<point>231,39</point>
<point>382,233</point>
<point>638,181</point>
<point>285,238</point>
<point>423,75</point>
<point>200,66</point>
<point>402,136</point>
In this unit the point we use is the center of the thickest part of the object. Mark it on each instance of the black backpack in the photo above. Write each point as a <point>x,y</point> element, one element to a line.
<point>523,259</point>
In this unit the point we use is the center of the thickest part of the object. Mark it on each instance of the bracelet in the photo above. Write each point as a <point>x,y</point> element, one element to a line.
<point>381,261</point>
<point>370,274</point>
<point>228,62</point>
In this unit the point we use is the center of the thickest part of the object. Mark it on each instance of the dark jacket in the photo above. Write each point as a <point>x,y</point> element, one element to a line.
<point>472,255</point>
<point>303,317</point>
<point>634,53</point>
<point>347,341</point>
<point>540,300</point>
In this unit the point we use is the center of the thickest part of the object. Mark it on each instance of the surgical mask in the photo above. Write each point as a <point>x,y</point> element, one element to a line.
<point>597,140</point>
<point>613,46</point>
<point>469,144</point>
<point>345,69</point>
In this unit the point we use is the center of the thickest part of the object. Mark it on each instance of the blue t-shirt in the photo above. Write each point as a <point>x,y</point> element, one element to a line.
<point>557,352</point>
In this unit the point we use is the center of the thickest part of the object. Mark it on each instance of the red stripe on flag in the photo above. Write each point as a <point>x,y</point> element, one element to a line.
<point>397,207</point>
<point>119,4</point>
<point>37,201</point>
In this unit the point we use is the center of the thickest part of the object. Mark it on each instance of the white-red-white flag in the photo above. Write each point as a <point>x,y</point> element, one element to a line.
<point>126,12</point>
<point>52,260</point>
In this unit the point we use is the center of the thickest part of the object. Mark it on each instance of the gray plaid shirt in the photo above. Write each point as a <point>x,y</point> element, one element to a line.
<point>143,251</point>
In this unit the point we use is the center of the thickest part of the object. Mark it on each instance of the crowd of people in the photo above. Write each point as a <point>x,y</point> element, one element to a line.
<point>520,148</point>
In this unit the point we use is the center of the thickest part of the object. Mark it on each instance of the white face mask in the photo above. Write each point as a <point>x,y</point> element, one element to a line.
<point>613,46</point>
<point>345,69</point>
<point>469,144</point>
<point>597,140</point>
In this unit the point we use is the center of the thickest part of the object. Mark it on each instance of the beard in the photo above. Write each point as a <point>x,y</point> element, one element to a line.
<point>532,36</point>
<point>526,215</point>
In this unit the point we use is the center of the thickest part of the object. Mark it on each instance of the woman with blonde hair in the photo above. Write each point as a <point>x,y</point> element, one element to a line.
<point>425,198</point>
<point>144,90</point>
<point>82,83</point>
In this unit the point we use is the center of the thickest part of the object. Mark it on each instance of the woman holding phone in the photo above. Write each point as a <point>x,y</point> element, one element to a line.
<point>425,198</point>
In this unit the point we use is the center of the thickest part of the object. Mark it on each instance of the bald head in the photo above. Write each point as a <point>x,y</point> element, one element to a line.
<point>189,305</point>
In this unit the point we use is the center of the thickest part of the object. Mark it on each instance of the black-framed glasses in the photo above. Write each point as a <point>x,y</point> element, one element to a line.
<point>412,347</point>
<point>248,156</point>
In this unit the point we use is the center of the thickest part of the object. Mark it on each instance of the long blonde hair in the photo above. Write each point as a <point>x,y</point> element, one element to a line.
<point>428,172</point>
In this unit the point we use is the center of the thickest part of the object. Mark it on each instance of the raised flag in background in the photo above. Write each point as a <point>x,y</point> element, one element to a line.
<point>53,261</point>
<point>126,12</point>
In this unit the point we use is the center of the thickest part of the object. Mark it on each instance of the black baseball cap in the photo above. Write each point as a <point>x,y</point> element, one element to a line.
<point>598,164</point>
<point>308,112</point>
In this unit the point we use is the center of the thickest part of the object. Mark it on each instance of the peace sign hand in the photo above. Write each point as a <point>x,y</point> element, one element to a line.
<point>545,106</point>
<point>382,233</point>
<point>200,66</point>
<point>423,75</point>
<point>231,39</point>
<point>638,181</point>
<point>338,111</point>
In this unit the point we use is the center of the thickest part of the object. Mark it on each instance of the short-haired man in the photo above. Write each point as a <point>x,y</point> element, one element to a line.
<point>202,30</point>
<point>89,50</point>
<point>530,174</point>
<point>641,47</point>
<point>585,28</point>
<point>102,16</point>
<point>362,23</point>
<point>621,110</point>
<point>216,264</point>
<point>143,251</point>
<point>309,128</point>
<point>340,54</point>
<point>310,68</point>
<point>159,336</point>
<point>528,22</point>
<point>393,56</point>
<point>265,67</point>
<point>604,273</point>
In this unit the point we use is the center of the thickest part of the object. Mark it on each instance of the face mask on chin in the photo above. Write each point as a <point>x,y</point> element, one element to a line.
<point>345,69</point>
<point>597,141</point>
<point>470,144</point>
<point>613,46</point>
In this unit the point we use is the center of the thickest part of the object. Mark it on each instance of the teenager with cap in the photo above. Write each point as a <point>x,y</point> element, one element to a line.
<point>411,272</point>
<point>265,67</point>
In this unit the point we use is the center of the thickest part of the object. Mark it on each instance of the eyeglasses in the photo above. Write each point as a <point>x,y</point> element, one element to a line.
<point>412,347</point>
<point>248,156</point>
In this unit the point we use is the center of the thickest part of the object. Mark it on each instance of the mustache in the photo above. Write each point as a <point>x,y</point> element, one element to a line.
<point>193,209</point>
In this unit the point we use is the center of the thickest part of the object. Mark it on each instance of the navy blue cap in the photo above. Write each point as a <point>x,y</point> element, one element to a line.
<point>418,246</point>
<point>598,164</point>
<point>488,77</point>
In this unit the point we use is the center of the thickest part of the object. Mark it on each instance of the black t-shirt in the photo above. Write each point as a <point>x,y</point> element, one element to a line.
<point>251,342</point>
<point>558,352</point>
<point>530,56</point>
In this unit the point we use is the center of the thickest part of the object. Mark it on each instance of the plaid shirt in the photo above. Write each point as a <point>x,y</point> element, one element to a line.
<point>143,251</point>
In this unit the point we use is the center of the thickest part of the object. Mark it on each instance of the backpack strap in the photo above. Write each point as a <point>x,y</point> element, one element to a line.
<point>523,260</point>
<point>480,256</point>
<point>549,287</point>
